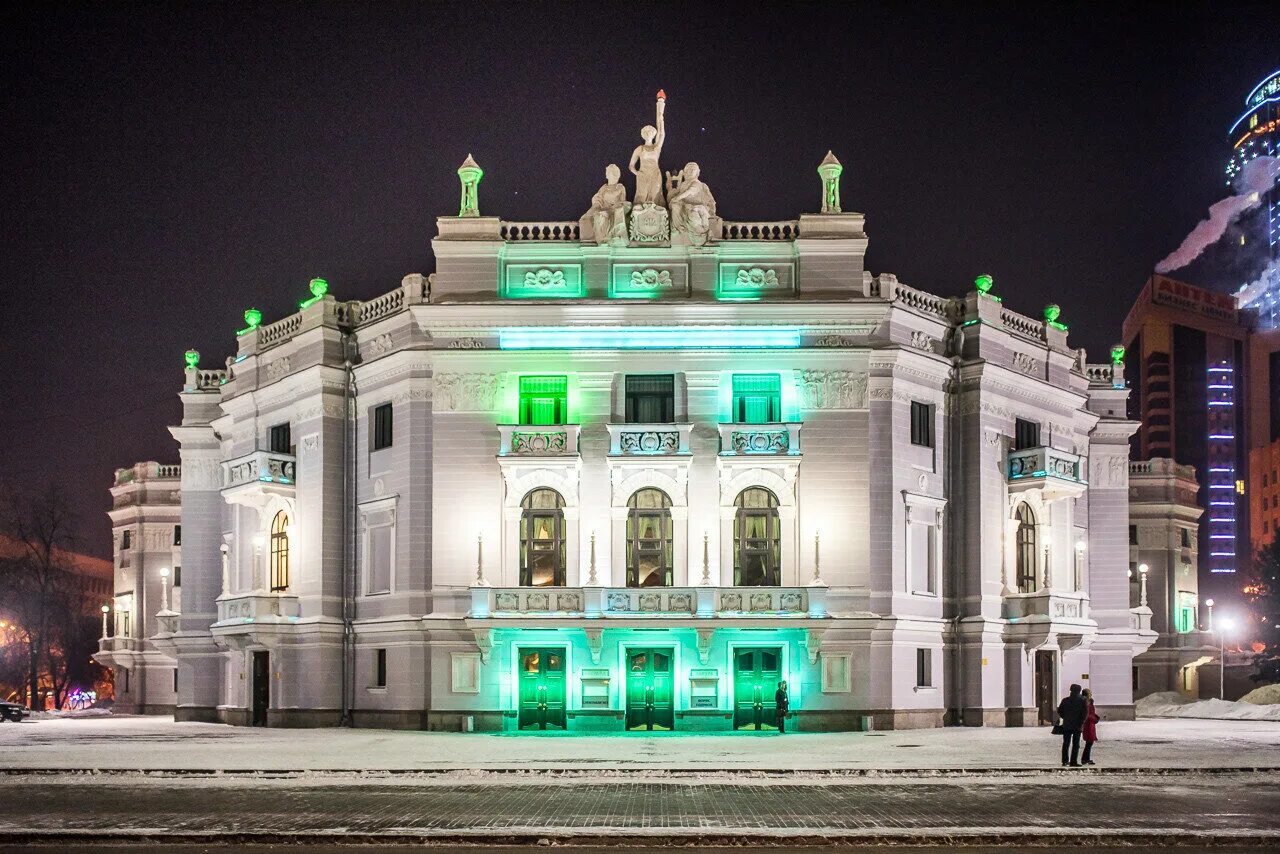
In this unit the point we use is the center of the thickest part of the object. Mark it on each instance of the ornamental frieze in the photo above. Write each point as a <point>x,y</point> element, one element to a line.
<point>466,392</point>
<point>833,390</point>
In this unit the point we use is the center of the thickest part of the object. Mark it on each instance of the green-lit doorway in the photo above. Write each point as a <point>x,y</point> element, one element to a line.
<point>755,680</point>
<point>542,689</point>
<point>649,706</point>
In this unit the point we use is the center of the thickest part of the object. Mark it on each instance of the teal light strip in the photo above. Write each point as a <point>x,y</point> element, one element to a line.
<point>647,338</point>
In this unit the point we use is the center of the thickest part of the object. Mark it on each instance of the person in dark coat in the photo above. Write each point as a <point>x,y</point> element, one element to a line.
<point>1072,712</point>
<point>1090,729</point>
<point>781,706</point>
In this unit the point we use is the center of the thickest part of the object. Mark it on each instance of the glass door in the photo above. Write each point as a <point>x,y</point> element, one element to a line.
<point>649,705</point>
<point>542,689</point>
<point>756,674</point>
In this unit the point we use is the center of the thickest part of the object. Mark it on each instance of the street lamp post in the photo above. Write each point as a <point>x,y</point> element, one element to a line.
<point>164,588</point>
<point>105,609</point>
<point>1143,569</point>
<point>1208,623</point>
<point>1224,625</point>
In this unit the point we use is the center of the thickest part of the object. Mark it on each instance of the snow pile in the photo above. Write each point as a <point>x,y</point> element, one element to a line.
<point>1171,704</point>
<point>1264,696</point>
<point>54,714</point>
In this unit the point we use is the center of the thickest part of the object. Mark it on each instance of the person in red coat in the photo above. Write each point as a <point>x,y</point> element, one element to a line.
<point>1090,729</point>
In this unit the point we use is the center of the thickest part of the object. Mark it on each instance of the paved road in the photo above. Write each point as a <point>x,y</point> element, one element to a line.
<point>306,809</point>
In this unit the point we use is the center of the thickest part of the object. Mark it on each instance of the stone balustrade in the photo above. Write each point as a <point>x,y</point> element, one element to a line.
<point>648,439</point>
<point>777,439</point>
<point>528,440</point>
<point>513,232</point>
<point>651,602</point>
<point>787,229</point>
<point>1053,604</point>
<point>260,467</point>
<point>1022,325</point>
<point>392,302</point>
<point>139,472</point>
<point>119,644</point>
<point>279,332</point>
<point>256,606</point>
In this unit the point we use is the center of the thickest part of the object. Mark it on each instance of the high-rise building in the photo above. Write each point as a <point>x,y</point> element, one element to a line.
<point>1186,364</point>
<point>1256,133</point>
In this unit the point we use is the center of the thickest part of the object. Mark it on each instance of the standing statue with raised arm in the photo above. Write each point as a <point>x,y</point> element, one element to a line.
<point>644,160</point>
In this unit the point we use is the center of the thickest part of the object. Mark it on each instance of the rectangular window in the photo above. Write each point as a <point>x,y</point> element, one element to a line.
<point>177,576</point>
<point>757,398</point>
<point>921,424</point>
<point>922,558</point>
<point>177,535</point>
<point>650,399</point>
<point>1185,534</point>
<point>1026,434</point>
<point>126,541</point>
<point>126,680</point>
<point>924,668</point>
<point>1133,535</point>
<point>281,440</point>
<point>544,400</point>
<point>379,560</point>
<point>379,668</point>
<point>175,680</point>
<point>381,427</point>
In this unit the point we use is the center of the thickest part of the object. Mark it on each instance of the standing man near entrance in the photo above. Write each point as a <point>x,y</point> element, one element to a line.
<point>781,704</point>
<point>1072,712</point>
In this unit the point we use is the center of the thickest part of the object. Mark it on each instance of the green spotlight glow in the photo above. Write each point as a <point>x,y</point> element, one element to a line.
<point>1117,354</point>
<point>252,319</point>
<point>192,358</point>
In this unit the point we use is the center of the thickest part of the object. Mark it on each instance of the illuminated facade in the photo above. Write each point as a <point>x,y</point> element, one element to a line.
<point>632,471</point>
<point>1164,561</point>
<point>1256,133</point>
<point>146,526</point>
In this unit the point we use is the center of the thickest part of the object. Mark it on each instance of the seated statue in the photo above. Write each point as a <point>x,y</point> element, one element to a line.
<point>692,206</point>
<point>609,206</point>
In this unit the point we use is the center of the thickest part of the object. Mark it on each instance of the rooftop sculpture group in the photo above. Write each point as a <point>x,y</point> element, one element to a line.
<point>680,211</point>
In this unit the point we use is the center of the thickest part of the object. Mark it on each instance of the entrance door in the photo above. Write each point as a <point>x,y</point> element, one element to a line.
<point>261,688</point>
<point>1045,707</point>
<point>542,689</point>
<point>649,704</point>
<point>755,680</point>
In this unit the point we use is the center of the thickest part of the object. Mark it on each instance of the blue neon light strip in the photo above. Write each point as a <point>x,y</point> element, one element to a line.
<point>1221,403</point>
<point>1224,571</point>
<point>1222,436</point>
<point>1222,503</point>
<point>1222,370</point>
<point>1222,469</point>
<point>647,338</point>
<point>1252,109</point>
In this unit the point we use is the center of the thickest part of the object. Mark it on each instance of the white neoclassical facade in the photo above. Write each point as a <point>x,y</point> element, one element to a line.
<point>146,522</point>
<point>631,471</point>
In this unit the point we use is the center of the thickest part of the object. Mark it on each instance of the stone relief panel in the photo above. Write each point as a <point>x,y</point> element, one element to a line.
<point>278,368</point>
<point>1108,471</point>
<point>1024,363</point>
<point>921,340</point>
<point>377,347</point>
<point>467,392</point>
<point>833,390</point>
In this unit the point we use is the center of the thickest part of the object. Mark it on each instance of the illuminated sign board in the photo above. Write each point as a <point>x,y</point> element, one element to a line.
<point>1181,295</point>
<point>1265,90</point>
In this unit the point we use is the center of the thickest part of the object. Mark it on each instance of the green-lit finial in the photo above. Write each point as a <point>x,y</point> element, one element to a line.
<point>470,174</point>
<point>1052,311</point>
<point>1117,354</point>
<point>319,287</point>
<point>253,319</point>
<point>192,358</point>
<point>984,283</point>
<point>829,170</point>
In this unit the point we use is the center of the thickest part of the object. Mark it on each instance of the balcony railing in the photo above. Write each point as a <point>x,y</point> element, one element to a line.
<point>776,439</point>
<point>528,440</point>
<point>250,607</point>
<point>1054,604</point>
<point>118,644</point>
<point>1058,473</point>
<point>649,602</point>
<point>260,467</point>
<point>648,439</point>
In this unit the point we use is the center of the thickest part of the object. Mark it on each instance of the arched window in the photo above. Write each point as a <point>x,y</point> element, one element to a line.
<point>649,552</point>
<point>757,540</point>
<point>1026,550</point>
<point>280,552</point>
<point>542,539</point>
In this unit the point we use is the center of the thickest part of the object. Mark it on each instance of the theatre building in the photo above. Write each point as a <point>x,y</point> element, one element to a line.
<point>630,472</point>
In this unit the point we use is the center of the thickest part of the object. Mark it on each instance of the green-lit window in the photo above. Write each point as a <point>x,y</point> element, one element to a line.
<point>543,400</point>
<point>1185,617</point>
<point>757,398</point>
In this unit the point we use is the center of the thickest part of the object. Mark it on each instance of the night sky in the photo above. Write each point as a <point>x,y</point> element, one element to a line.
<point>168,166</point>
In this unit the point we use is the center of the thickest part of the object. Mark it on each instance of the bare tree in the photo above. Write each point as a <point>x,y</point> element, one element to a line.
<point>37,570</point>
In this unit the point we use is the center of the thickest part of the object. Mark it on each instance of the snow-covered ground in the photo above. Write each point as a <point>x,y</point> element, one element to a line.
<point>158,743</point>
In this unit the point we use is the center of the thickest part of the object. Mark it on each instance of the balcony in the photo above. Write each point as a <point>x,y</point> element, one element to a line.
<point>1057,473</point>
<point>648,439</point>
<point>648,603</point>
<point>118,644</point>
<point>258,606</point>
<point>530,440</point>
<point>254,477</point>
<point>779,439</point>
<point>1051,604</point>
